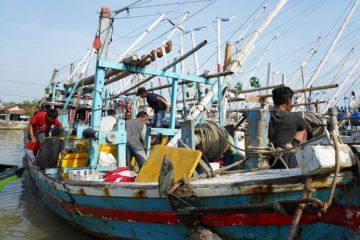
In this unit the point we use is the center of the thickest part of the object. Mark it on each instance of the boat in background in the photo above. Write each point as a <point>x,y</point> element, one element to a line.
<point>8,174</point>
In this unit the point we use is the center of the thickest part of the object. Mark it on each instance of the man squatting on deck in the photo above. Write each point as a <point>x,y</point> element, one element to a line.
<point>286,128</point>
<point>135,143</point>
<point>156,102</point>
<point>40,126</point>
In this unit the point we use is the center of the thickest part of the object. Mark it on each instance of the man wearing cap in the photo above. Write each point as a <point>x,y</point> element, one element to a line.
<point>156,102</point>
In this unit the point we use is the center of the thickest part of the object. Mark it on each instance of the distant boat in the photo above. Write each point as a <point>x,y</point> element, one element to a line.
<point>8,174</point>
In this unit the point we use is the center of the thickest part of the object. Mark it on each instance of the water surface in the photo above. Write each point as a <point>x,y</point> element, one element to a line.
<point>22,213</point>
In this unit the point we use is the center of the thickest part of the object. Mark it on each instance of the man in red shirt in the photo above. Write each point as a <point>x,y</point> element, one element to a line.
<point>40,126</point>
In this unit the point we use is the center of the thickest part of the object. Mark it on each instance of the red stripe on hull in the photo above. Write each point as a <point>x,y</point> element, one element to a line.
<point>254,219</point>
<point>341,215</point>
<point>345,216</point>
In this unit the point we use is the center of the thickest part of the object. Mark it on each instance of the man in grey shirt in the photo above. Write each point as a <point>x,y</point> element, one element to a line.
<point>135,144</point>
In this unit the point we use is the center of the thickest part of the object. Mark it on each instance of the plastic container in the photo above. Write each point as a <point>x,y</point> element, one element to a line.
<point>86,175</point>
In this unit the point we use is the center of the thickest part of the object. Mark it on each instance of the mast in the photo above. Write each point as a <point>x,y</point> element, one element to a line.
<point>343,63</point>
<point>266,51</point>
<point>175,28</point>
<point>304,64</point>
<point>235,66</point>
<point>332,46</point>
<point>342,84</point>
<point>146,32</point>
<point>96,109</point>
<point>254,19</point>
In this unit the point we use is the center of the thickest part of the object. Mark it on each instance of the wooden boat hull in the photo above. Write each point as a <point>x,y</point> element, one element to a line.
<point>135,211</point>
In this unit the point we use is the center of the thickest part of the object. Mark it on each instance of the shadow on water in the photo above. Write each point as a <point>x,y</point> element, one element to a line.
<point>43,224</point>
<point>23,216</point>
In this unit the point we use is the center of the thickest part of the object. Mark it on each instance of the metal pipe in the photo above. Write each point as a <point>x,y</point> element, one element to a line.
<point>186,55</point>
<point>157,88</point>
<point>175,28</point>
<point>182,69</point>
<point>71,72</point>
<point>268,77</point>
<point>198,85</point>
<point>182,82</point>
<point>259,89</point>
<point>295,105</point>
<point>308,89</point>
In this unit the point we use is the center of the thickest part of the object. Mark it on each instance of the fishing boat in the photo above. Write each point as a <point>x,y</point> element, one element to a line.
<point>170,197</point>
<point>8,174</point>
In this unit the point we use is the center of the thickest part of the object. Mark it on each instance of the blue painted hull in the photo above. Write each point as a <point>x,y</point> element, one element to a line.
<point>153,218</point>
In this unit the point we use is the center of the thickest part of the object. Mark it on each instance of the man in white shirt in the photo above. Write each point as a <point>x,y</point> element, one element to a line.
<point>108,122</point>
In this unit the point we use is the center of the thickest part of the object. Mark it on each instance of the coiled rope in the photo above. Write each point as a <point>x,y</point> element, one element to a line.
<point>213,140</point>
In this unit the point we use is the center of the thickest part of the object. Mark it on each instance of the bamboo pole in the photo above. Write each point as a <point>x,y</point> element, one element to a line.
<point>189,53</point>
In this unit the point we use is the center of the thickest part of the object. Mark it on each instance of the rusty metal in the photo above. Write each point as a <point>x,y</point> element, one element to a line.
<point>285,207</point>
<point>299,210</point>
<point>81,191</point>
<point>140,194</point>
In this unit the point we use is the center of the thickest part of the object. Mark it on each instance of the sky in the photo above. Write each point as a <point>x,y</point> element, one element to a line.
<point>38,36</point>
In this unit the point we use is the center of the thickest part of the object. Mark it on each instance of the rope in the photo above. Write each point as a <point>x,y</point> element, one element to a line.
<point>271,151</point>
<point>337,169</point>
<point>213,140</point>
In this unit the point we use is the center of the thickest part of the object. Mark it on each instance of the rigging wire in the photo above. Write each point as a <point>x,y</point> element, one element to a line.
<point>170,4</point>
<point>158,37</point>
<point>232,34</point>
<point>21,82</point>
<point>16,95</point>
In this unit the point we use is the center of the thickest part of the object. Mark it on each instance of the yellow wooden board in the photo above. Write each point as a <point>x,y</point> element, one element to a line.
<point>184,162</point>
<point>80,158</point>
<point>73,163</point>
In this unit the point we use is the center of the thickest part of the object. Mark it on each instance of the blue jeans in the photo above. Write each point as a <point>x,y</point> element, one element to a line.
<point>158,117</point>
<point>138,152</point>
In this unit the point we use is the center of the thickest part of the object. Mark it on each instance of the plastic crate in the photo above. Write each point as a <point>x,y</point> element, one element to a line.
<point>86,175</point>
